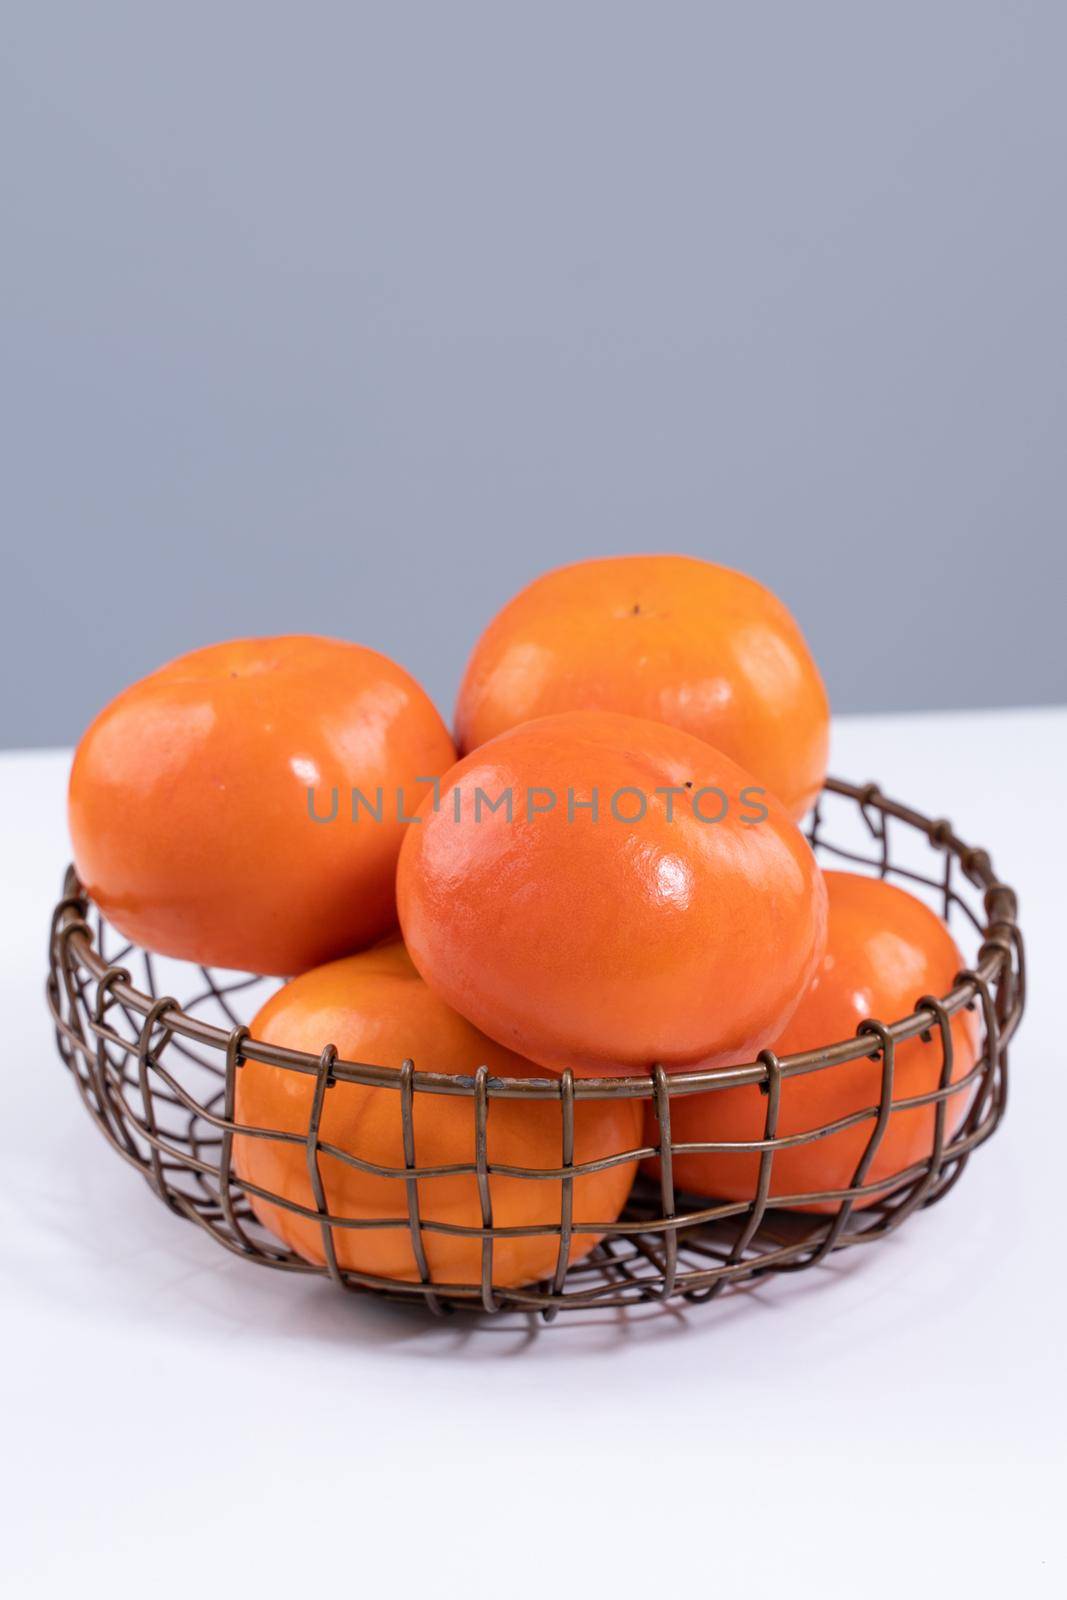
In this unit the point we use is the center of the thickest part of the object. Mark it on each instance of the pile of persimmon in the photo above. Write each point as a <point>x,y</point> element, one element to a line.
<point>602,876</point>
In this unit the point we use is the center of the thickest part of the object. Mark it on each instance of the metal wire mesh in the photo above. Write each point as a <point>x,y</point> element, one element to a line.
<point>159,1079</point>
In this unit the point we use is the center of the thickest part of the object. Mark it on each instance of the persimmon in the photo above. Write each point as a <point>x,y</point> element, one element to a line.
<point>668,637</point>
<point>376,1009</point>
<point>640,900</point>
<point>193,797</point>
<point>885,949</point>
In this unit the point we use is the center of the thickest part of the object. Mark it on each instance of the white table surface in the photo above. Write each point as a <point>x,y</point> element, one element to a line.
<point>889,1422</point>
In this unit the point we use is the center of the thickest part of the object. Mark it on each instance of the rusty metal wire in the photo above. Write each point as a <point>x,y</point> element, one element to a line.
<point>158,1078</point>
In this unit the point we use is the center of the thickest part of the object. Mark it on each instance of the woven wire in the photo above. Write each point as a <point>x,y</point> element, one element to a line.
<point>159,1078</point>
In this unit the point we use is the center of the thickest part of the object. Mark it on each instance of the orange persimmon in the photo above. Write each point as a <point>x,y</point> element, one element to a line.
<point>669,637</point>
<point>640,900</point>
<point>376,1009</point>
<point>190,801</point>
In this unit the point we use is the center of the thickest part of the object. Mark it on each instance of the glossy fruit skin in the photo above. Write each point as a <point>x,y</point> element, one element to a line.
<point>188,801</point>
<point>668,637</point>
<point>885,949</point>
<point>376,1009</point>
<point>607,946</point>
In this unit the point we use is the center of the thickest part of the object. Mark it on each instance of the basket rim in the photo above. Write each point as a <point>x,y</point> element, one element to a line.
<point>1000,937</point>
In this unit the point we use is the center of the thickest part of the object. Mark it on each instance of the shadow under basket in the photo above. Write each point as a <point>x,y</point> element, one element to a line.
<point>158,1077</point>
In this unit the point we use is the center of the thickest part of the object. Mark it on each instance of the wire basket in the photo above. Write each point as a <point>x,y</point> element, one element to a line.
<point>159,1080</point>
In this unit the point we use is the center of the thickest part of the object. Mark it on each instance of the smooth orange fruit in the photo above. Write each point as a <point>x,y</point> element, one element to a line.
<point>667,637</point>
<point>376,1009</point>
<point>885,949</point>
<point>189,806</point>
<point>599,942</point>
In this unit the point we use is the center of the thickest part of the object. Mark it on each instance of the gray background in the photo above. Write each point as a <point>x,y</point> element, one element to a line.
<point>353,318</point>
